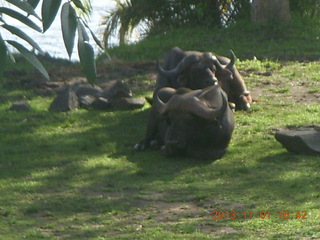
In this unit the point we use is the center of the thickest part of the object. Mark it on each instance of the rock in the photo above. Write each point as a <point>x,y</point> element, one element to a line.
<point>45,92</point>
<point>102,104</point>
<point>86,101</point>
<point>20,107</point>
<point>86,90</point>
<point>67,100</point>
<point>300,140</point>
<point>267,74</point>
<point>128,103</point>
<point>116,89</point>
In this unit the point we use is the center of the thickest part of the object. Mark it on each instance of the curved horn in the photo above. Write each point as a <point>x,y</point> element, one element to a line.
<point>200,109</point>
<point>182,65</point>
<point>159,105</point>
<point>192,104</point>
<point>229,66</point>
<point>166,94</point>
<point>232,60</point>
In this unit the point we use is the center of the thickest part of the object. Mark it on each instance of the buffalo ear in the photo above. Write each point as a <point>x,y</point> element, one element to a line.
<point>223,72</point>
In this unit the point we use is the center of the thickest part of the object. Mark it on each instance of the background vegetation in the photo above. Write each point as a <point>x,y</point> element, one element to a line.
<point>295,40</point>
<point>158,17</point>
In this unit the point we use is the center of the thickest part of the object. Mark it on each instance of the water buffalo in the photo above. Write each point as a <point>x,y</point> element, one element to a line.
<point>197,123</point>
<point>197,70</point>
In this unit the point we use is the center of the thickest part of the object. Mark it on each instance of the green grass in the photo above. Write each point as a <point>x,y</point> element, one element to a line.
<point>75,175</point>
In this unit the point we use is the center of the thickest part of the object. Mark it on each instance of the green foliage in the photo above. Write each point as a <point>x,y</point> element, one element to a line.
<point>68,26</point>
<point>273,41</point>
<point>30,57</point>
<point>48,12</point>
<point>69,23</point>
<point>161,16</point>
<point>306,8</point>
<point>157,17</point>
<point>86,54</point>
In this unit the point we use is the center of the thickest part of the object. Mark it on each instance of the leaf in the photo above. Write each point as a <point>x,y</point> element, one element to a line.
<point>3,56</point>
<point>33,3</point>
<point>79,4</point>
<point>23,36</point>
<point>30,57</point>
<point>20,17</point>
<point>68,26</point>
<point>82,32</point>
<point>24,6</point>
<point>86,56</point>
<point>11,57</point>
<point>48,12</point>
<point>98,42</point>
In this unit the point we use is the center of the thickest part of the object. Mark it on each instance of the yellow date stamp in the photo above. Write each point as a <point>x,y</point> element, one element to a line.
<point>259,214</point>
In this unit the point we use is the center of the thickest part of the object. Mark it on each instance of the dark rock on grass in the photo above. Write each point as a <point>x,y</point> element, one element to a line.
<point>20,107</point>
<point>66,100</point>
<point>102,104</point>
<point>300,140</point>
<point>86,90</point>
<point>116,95</point>
<point>116,89</point>
<point>86,101</point>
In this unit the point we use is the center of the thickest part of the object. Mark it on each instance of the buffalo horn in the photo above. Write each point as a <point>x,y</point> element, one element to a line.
<point>159,104</point>
<point>229,66</point>
<point>190,104</point>
<point>200,109</point>
<point>182,65</point>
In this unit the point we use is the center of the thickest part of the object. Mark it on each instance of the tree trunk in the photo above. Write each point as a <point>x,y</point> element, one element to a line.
<point>264,11</point>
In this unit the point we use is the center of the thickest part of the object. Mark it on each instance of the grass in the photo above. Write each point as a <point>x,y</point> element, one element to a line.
<point>74,175</point>
<point>295,40</point>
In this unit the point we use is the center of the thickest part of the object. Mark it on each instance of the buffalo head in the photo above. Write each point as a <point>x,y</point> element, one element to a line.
<point>195,71</point>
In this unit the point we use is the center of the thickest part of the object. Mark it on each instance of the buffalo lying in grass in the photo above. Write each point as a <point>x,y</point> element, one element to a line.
<point>197,123</point>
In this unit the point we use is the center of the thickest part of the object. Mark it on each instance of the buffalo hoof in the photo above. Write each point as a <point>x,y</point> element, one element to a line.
<point>141,146</point>
<point>138,147</point>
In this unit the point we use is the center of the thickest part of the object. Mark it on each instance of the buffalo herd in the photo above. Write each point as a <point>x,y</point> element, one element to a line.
<point>193,103</point>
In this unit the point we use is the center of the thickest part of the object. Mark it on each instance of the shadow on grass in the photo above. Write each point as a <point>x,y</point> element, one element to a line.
<point>94,171</point>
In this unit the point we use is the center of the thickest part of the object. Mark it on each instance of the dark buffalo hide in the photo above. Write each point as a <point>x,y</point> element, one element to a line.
<point>197,70</point>
<point>197,123</point>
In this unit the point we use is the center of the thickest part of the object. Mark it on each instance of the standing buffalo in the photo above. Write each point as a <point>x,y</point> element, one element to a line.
<point>197,123</point>
<point>197,70</point>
